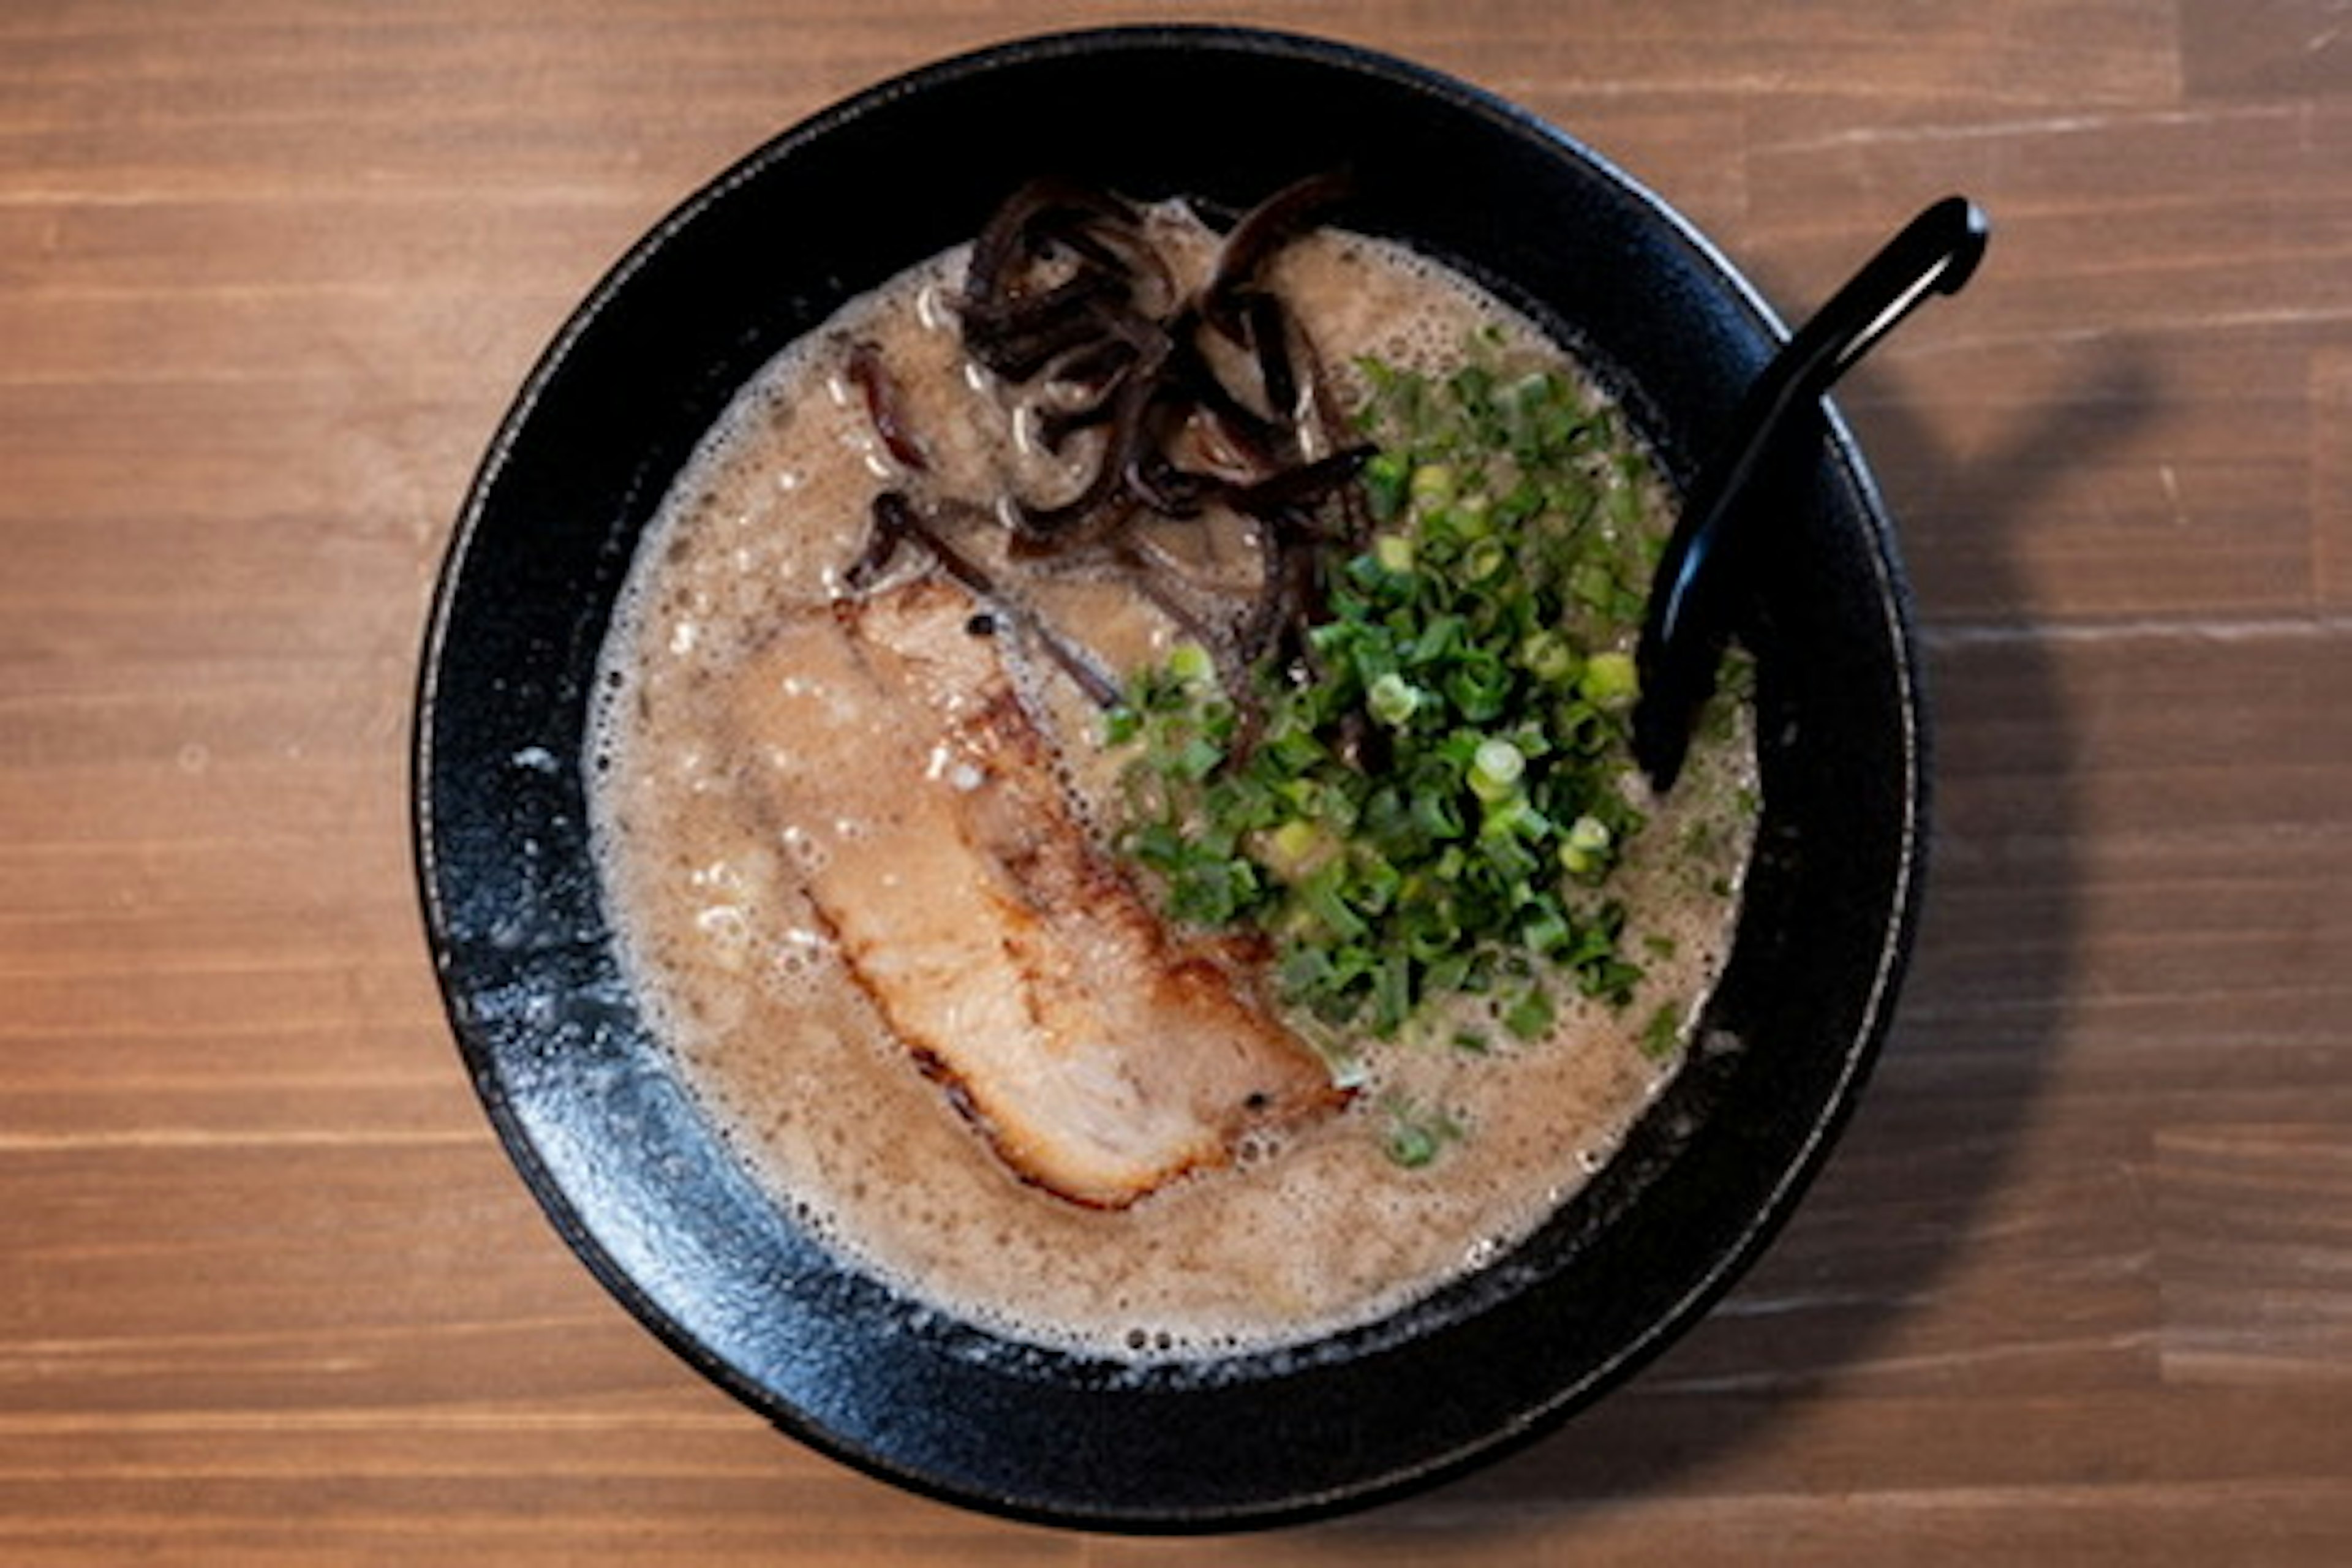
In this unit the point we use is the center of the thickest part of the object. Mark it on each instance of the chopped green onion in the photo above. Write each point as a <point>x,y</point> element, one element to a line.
<point>1410,824</point>
<point>1417,1135</point>
<point>1662,1034</point>
<point>1607,678</point>
<point>1496,769</point>
<point>1582,852</point>
<point>1191,664</point>
<point>1548,656</point>
<point>1393,699</point>
<point>1385,475</point>
<point>1531,1015</point>
<point>1432,485</point>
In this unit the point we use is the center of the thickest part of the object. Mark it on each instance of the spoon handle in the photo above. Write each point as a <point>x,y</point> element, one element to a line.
<point>1684,631</point>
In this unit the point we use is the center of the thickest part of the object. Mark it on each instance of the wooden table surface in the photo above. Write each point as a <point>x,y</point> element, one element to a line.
<point>2076,1288</point>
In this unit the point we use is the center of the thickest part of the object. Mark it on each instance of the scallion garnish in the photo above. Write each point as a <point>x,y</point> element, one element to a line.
<point>1480,638</point>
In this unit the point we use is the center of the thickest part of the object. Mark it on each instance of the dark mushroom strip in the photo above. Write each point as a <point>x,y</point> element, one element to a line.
<point>1289,583</point>
<point>1093,358</point>
<point>1027,221</point>
<point>1095,229</point>
<point>1265,332</point>
<point>1019,336</point>
<point>1262,231</point>
<point>1266,441</point>
<point>885,406</point>
<point>887,530</point>
<point>1055,426</point>
<point>1135,565</point>
<point>1101,688</point>
<point>1128,418</point>
<point>1212,400</point>
<point>1082,388</point>
<point>1296,492</point>
<point>1166,486</point>
<point>1295,542</point>
<point>1094,367</point>
<point>897,518</point>
<point>1235,304</point>
<point>1055,267</point>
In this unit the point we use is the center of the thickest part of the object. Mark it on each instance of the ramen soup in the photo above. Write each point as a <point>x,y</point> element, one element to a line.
<point>927,712</point>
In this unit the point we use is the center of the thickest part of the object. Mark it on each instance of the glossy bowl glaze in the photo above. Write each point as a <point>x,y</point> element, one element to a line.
<point>628,1167</point>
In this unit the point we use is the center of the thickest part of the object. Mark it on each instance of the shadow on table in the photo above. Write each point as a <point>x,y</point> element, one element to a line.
<point>1983,1008</point>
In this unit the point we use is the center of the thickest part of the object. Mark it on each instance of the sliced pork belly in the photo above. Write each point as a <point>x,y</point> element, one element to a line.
<point>1100,1053</point>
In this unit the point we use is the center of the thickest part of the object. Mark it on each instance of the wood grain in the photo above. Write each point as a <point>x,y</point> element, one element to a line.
<point>2077,1288</point>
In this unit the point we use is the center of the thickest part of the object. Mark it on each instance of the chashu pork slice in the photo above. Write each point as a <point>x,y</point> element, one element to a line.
<point>1101,1053</point>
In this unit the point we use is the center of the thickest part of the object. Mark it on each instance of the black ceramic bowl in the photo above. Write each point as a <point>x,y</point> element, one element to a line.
<point>584,1098</point>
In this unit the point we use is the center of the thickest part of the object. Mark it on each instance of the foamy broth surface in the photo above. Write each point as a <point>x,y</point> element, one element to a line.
<point>1322,1231</point>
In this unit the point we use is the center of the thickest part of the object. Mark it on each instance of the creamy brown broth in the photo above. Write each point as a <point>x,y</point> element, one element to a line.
<point>1318,1231</point>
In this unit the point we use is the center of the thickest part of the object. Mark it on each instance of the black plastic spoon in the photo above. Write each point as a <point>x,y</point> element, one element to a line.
<point>1686,626</point>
